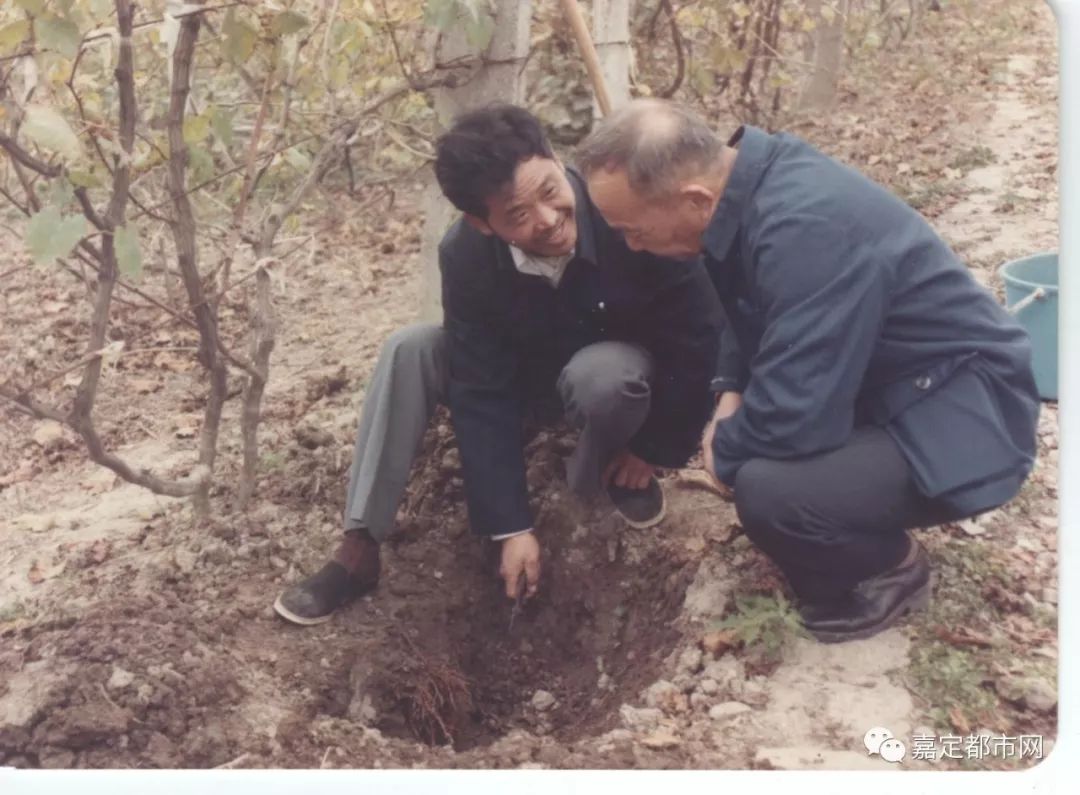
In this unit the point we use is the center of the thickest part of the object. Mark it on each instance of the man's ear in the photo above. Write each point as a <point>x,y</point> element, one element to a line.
<point>479,224</point>
<point>698,196</point>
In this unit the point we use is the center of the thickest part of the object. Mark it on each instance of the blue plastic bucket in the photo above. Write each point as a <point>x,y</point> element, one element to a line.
<point>1031,295</point>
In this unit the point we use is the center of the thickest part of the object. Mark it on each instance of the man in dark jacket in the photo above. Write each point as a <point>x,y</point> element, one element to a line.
<point>867,383</point>
<point>541,300</point>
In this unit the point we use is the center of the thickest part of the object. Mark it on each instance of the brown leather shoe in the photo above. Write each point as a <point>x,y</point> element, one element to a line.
<point>352,572</point>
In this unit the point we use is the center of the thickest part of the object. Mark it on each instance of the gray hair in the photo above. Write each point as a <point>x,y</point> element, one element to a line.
<point>656,142</point>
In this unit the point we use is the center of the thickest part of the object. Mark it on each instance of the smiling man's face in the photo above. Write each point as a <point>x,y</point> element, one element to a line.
<point>534,212</point>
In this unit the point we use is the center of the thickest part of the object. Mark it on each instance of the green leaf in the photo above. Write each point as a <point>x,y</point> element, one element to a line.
<point>479,30</point>
<point>240,38</point>
<point>60,193</point>
<point>202,164</point>
<point>287,23</point>
<point>101,8</point>
<point>49,130</point>
<point>58,34</point>
<point>196,128</point>
<point>298,160</point>
<point>128,258</point>
<point>221,123</point>
<point>13,34</point>
<point>85,179</point>
<point>50,235</point>
<point>441,14</point>
<point>33,7</point>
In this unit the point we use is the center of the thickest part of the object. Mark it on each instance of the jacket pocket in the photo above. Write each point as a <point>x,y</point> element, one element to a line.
<point>893,399</point>
<point>971,430</point>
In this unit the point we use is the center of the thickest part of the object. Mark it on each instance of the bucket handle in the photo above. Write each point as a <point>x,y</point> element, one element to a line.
<point>1038,294</point>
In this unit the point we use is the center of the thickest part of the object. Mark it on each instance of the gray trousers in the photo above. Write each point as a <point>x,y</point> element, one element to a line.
<point>604,390</point>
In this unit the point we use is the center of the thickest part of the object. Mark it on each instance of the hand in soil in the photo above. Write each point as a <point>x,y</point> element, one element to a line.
<point>726,405</point>
<point>628,471</point>
<point>520,555</point>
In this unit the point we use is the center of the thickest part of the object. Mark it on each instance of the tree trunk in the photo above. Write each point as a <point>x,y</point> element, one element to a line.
<point>826,53</point>
<point>611,34</point>
<point>500,79</point>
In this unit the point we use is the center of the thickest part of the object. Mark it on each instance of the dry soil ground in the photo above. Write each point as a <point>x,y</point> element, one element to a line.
<point>131,636</point>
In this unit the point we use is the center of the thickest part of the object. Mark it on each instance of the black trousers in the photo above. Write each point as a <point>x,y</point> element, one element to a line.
<point>831,520</point>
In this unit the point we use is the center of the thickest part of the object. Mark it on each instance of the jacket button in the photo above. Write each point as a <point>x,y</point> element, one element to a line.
<point>923,382</point>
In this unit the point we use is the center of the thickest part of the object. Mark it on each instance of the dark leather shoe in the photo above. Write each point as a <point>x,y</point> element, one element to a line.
<point>353,572</point>
<point>874,604</point>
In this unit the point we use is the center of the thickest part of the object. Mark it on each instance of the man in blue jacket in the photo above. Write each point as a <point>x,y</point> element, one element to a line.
<point>867,385</point>
<point>541,300</point>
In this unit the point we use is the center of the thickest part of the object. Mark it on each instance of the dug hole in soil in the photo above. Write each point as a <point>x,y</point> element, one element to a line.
<point>453,667</point>
<point>174,658</point>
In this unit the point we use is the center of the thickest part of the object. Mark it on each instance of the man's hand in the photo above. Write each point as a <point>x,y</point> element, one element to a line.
<point>628,471</point>
<point>726,406</point>
<point>520,555</point>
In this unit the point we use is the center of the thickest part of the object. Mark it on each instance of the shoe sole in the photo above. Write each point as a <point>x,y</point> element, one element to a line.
<point>653,522</point>
<point>280,608</point>
<point>917,601</point>
<point>289,615</point>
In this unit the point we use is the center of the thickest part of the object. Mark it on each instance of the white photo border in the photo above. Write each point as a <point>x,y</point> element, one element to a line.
<point>1049,776</point>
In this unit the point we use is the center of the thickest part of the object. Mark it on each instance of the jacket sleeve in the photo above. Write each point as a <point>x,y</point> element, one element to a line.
<point>824,305</point>
<point>731,371</point>
<point>685,322</point>
<point>485,410</point>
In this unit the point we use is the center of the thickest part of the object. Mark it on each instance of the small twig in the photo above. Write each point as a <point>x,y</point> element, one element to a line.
<point>28,405</point>
<point>262,344</point>
<point>322,764</point>
<point>394,42</point>
<point>20,155</point>
<point>680,56</point>
<point>82,111</point>
<point>88,208</point>
<point>13,271</point>
<point>85,360</point>
<point>234,762</point>
<point>427,156</point>
<point>324,63</point>
<point>225,265</point>
<point>144,24</point>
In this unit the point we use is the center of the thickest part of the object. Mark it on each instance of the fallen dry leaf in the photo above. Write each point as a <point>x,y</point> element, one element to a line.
<point>99,550</point>
<point>962,636</point>
<point>718,642</point>
<point>661,739</point>
<point>959,721</point>
<point>724,534</point>
<point>696,479</point>
<point>694,545</point>
<point>971,527</point>
<point>38,574</point>
<point>186,431</point>
<point>144,386</point>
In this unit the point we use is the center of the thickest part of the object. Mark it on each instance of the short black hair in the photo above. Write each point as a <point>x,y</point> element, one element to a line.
<point>477,156</point>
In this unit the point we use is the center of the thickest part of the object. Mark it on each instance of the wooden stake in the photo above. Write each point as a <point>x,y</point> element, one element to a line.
<point>588,52</point>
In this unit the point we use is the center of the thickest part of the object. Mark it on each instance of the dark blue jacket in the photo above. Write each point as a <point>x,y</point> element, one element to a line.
<point>845,308</point>
<point>509,335</point>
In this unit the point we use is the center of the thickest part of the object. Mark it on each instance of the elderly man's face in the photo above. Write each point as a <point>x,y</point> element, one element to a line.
<point>536,211</point>
<point>671,228</point>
